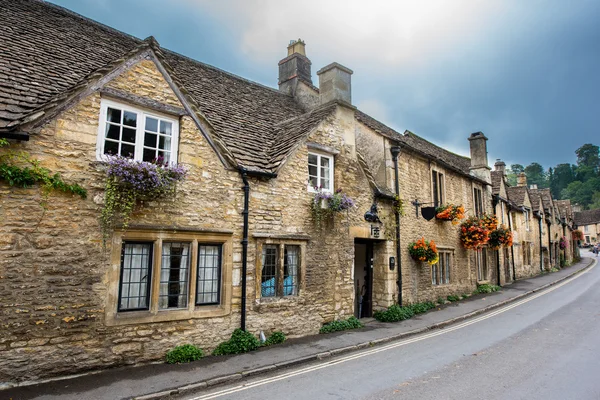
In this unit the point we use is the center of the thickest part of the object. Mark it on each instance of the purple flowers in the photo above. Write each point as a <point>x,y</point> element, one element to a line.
<point>332,202</point>
<point>146,179</point>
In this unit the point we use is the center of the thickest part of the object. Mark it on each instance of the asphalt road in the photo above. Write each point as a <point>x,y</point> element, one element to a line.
<point>545,347</point>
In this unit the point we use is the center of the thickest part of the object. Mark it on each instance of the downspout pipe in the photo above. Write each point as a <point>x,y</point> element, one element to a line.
<point>550,252</point>
<point>244,173</point>
<point>495,201</point>
<point>512,248</point>
<point>541,244</point>
<point>245,213</point>
<point>564,226</point>
<point>395,150</point>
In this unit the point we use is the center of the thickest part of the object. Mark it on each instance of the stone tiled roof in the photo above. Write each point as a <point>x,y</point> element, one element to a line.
<point>564,207</point>
<point>49,53</point>
<point>421,146</point>
<point>547,201</point>
<point>45,50</point>
<point>496,181</point>
<point>587,217</point>
<point>517,194</point>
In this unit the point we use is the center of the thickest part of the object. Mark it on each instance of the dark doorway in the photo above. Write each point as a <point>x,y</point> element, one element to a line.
<point>363,279</point>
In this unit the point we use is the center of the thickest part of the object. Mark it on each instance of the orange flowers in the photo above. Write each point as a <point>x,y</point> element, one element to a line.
<point>422,250</point>
<point>501,236</point>
<point>474,233</point>
<point>450,213</point>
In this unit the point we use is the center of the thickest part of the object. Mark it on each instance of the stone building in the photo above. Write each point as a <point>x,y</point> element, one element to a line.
<point>588,222</point>
<point>238,246</point>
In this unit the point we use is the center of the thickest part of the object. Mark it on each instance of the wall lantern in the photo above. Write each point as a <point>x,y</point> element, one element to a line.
<point>371,215</point>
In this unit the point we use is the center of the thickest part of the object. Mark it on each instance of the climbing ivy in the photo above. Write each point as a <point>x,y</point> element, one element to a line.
<point>18,169</point>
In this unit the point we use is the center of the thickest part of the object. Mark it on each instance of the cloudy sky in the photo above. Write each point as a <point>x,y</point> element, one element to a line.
<point>526,73</point>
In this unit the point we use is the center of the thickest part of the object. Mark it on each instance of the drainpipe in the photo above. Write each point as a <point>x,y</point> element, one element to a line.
<point>246,188</point>
<point>244,173</point>
<point>550,252</point>
<point>541,246</point>
<point>495,201</point>
<point>564,225</point>
<point>512,248</point>
<point>395,150</point>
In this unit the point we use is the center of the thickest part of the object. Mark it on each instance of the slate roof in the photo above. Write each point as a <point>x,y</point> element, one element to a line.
<point>534,196</point>
<point>48,53</point>
<point>421,146</point>
<point>564,207</point>
<point>517,194</point>
<point>496,181</point>
<point>587,217</point>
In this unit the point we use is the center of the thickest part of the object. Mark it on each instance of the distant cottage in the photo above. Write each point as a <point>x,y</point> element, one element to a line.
<point>251,238</point>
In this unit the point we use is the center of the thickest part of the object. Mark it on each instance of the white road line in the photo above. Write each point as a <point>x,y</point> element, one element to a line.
<point>365,353</point>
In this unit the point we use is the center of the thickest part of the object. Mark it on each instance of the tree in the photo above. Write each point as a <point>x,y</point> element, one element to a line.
<point>588,155</point>
<point>536,175</point>
<point>560,177</point>
<point>582,192</point>
<point>513,173</point>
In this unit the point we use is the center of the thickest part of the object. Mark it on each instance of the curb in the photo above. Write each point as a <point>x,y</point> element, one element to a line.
<point>320,356</point>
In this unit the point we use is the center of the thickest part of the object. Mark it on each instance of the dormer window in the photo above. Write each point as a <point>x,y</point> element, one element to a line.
<point>134,133</point>
<point>320,172</point>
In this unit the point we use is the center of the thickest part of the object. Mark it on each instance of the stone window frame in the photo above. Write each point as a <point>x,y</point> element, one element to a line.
<point>478,208</point>
<point>140,128</point>
<point>438,186</point>
<point>281,243</point>
<point>481,261</point>
<point>321,154</point>
<point>526,217</point>
<point>441,266</point>
<point>153,313</point>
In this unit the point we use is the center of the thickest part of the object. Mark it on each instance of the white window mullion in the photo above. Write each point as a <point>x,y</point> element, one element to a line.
<point>139,136</point>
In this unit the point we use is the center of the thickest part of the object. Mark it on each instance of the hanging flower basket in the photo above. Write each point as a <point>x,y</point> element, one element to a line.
<point>474,233</point>
<point>129,181</point>
<point>423,250</point>
<point>500,237</point>
<point>325,205</point>
<point>563,243</point>
<point>577,235</point>
<point>450,212</point>
<point>490,222</point>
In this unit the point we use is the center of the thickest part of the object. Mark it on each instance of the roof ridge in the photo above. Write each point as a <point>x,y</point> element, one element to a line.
<point>114,30</point>
<point>87,19</point>
<point>231,74</point>
<point>440,147</point>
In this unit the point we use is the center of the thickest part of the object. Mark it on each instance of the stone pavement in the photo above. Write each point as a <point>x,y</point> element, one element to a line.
<point>159,380</point>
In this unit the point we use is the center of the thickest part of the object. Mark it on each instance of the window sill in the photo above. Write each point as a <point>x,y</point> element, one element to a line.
<point>147,317</point>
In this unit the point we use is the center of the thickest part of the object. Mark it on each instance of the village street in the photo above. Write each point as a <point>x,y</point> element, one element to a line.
<point>545,348</point>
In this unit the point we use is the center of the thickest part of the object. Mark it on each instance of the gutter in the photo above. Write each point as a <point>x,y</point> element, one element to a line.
<point>244,173</point>
<point>395,150</point>
<point>14,135</point>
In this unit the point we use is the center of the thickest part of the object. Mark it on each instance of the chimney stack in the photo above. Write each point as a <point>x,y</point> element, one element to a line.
<point>522,179</point>
<point>500,166</point>
<point>533,186</point>
<point>335,84</point>
<point>294,68</point>
<point>479,161</point>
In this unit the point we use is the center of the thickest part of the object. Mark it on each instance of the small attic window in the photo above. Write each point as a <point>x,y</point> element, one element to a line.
<point>134,133</point>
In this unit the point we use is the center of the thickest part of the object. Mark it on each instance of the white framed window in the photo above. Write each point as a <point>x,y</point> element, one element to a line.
<point>320,172</point>
<point>586,229</point>
<point>502,212</point>
<point>437,188</point>
<point>135,133</point>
